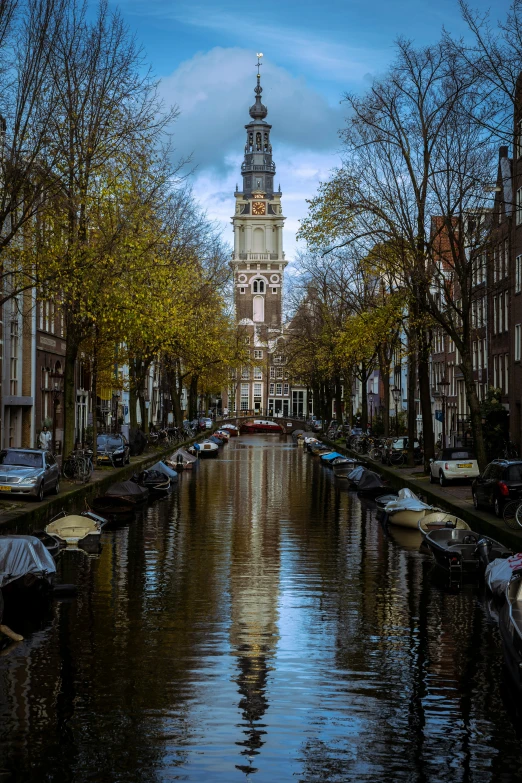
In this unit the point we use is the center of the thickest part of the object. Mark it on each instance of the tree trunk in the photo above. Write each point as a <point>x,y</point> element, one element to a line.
<point>412,387</point>
<point>69,393</point>
<point>428,436</point>
<point>338,400</point>
<point>474,408</point>
<point>384,369</point>
<point>133,403</point>
<point>94,398</point>
<point>364,397</point>
<point>193,398</point>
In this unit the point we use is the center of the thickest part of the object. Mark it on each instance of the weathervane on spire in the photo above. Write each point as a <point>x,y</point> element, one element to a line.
<point>259,63</point>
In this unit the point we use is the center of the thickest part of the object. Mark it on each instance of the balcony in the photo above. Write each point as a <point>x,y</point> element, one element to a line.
<point>257,257</point>
<point>270,167</point>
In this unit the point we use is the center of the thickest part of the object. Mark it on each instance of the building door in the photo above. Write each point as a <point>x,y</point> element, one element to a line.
<point>297,403</point>
<point>270,407</point>
<point>286,407</point>
<point>278,407</point>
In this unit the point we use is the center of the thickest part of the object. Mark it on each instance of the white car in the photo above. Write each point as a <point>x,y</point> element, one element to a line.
<point>452,464</point>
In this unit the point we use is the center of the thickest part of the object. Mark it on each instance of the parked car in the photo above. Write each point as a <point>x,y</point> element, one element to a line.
<point>31,472</point>
<point>500,482</point>
<point>317,425</point>
<point>452,464</point>
<point>205,423</point>
<point>112,450</point>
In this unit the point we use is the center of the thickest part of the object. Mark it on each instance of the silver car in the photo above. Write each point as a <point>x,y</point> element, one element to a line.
<point>31,472</point>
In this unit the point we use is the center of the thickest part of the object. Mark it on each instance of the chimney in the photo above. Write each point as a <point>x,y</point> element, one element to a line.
<point>503,152</point>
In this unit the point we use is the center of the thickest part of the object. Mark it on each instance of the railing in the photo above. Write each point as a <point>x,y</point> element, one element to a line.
<point>257,256</point>
<point>255,167</point>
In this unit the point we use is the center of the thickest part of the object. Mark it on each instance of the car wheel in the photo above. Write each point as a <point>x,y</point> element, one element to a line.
<point>476,503</point>
<point>56,489</point>
<point>497,507</point>
<point>442,479</point>
<point>40,496</point>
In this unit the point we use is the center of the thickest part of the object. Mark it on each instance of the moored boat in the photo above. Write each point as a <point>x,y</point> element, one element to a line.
<point>76,531</point>
<point>204,448</point>
<point>181,460</point>
<point>121,500</point>
<point>330,457</point>
<point>463,551</point>
<point>499,573</point>
<point>231,429</point>
<point>154,480</point>
<point>510,626</point>
<point>440,519</point>
<point>406,510</point>
<point>370,484</point>
<point>260,425</point>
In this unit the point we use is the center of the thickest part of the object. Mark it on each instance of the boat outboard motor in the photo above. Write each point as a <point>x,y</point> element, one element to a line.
<point>483,550</point>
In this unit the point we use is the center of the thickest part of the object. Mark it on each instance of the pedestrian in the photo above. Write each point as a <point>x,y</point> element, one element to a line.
<point>225,413</point>
<point>45,439</point>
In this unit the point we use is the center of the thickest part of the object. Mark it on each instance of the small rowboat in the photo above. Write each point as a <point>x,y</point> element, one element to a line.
<point>406,509</point>
<point>261,425</point>
<point>231,429</point>
<point>181,460</point>
<point>462,551</point>
<point>439,519</point>
<point>204,448</point>
<point>73,530</point>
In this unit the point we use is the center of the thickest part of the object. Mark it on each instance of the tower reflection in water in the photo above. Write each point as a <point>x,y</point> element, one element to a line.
<point>254,589</point>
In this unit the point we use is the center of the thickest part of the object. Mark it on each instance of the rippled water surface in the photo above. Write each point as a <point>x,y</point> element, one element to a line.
<point>259,624</point>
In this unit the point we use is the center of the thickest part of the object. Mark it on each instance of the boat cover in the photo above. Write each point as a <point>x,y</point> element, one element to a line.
<point>500,571</point>
<point>215,440</point>
<point>162,468</point>
<point>369,480</point>
<point>185,455</point>
<point>126,489</point>
<point>21,555</point>
<point>406,501</point>
<point>332,455</point>
<point>356,474</point>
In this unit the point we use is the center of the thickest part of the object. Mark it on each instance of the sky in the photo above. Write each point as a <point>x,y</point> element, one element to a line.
<point>204,54</point>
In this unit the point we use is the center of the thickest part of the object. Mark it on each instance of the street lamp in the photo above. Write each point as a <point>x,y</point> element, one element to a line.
<point>443,385</point>
<point>57,391</point>
<point>371,396</point>
<point>396,397</point>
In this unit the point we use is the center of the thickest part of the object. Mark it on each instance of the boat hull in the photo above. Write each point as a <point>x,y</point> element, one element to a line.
<point>406,518</point>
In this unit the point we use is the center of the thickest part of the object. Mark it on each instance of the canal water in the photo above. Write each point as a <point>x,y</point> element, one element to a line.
<point>259,624</point>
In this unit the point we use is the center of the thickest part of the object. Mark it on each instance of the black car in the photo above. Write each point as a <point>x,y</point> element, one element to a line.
<point>500,482</point>
<point>112,450</point>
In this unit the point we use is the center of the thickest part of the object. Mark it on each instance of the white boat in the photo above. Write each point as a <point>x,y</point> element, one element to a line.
<point>439,519</point>
<point>72,529</point>
<point>204,448</point>
<point>181,460</point>
<point>407,510</point>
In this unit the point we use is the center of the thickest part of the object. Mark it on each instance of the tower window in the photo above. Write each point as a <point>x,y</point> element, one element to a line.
<point>274,290</point>
<point>258,142</point>
<point>258,287</point>
<point>242,290</point>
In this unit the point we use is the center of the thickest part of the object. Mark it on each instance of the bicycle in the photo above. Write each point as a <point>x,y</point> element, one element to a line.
<point>511,513</point>
<point>78,467</point>
<point>396,458</point>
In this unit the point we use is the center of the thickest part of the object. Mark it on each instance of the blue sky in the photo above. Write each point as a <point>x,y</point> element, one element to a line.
<point>204,54</point>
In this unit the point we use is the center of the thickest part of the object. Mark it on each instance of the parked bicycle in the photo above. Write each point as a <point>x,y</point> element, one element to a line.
<point>78,466</point>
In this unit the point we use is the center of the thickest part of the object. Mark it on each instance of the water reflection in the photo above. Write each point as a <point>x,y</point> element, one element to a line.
<point>259,624</point>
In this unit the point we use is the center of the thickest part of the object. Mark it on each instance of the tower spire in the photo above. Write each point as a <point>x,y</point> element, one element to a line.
<point>258,111</point>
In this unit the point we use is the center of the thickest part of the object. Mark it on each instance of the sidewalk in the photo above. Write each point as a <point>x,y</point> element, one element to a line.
<point>21,516</point>
<point>455,498</point>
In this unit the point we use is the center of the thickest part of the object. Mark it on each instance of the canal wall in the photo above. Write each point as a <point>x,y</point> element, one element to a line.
<point>479,521</point>
<point>29,515</point>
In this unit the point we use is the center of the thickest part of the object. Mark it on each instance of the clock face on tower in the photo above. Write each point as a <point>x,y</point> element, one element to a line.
<point>258,207</point>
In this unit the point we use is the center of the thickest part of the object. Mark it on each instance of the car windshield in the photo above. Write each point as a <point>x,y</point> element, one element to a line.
<point>24,459</point>
<point>455,454</point>
<point>514,473</point>
<point>106,442</point>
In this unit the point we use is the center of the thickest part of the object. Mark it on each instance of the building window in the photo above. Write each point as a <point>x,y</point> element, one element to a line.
<point>247,340</point>
<point>258,354</point>
<point>245,373</point>
<point>286,389</point>
<point>274,290</point>
<point>14,358</point>
<point>257,390</point>
<point>258,373</point>
<point>279,389</point>
<point>519,207</point>
<point>242,290</point>
<point>506,373</point>
<point>500,313</point>
<point>279,372</point>
<point>474,354</point>
<point>272,372</point>
<point>506,311</point>
<point>518,274</point>
<point>244,397</point>
<point>495,371</point>
<point>258,287</point>
<point>271,390</point>
<point>494,315</point>
<point>517,342</point>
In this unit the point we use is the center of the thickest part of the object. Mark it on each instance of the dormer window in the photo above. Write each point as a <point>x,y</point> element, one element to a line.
<point>258,287</point>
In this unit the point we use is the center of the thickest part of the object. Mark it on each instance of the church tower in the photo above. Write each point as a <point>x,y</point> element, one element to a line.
<point>258,261</point>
